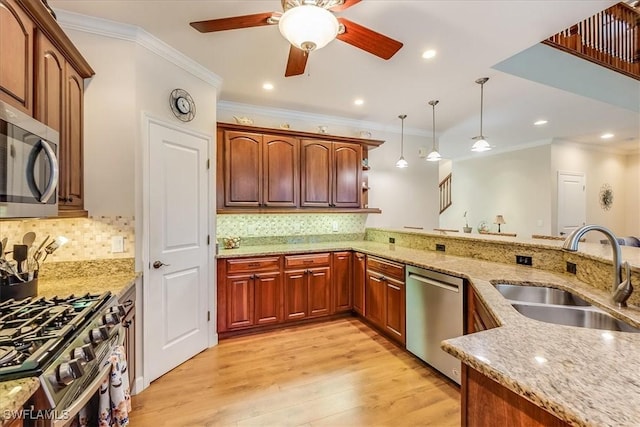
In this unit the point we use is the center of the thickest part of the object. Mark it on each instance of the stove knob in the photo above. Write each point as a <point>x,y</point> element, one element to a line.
<point>84,354</point>
<point>69,371</point>
<point>119,309</point>
<point>99,334</point>
<point>110,319</point>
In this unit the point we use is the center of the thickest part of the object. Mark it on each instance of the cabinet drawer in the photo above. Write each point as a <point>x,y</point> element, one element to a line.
<point>310,260</point>
<point>386,268</point>
<point>249,265</point>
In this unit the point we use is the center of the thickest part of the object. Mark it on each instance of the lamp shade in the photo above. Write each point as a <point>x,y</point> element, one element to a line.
<point>480,145</point>
<point>402,163</point>
<point>500,220</point>
<point>308,27</point>
<point>433,156</point>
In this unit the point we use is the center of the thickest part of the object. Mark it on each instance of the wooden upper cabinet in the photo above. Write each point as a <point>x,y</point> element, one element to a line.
<point>260,170</point>
<point>16,56</point>
<point>316,167</point>
<point>280,171</point>
<point>243,169</point>
<point>71,153</point>
<point>331,174</point>
<point>347,173</point>
<point>49,83</point>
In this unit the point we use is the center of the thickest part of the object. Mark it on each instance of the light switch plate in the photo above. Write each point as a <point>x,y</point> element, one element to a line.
<point>117,244</point>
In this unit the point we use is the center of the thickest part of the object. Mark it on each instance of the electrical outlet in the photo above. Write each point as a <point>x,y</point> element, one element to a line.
<point>440,247</point>
<point>334,226</point>
<point>117,244</point>
<point>524,260</point>
<point>392,239</point>
<point>297,227</point>
<point>251,229</point>
<point>572,268</point>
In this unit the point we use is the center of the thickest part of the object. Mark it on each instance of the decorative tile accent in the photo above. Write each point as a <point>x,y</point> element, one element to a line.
<point>262,225</point>
<point>89,238</point>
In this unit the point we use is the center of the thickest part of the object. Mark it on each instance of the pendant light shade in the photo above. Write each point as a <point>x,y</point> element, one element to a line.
<point>434,155</point>
<point>481,143</point>
<point>402,163</point>
<point>308,27</point>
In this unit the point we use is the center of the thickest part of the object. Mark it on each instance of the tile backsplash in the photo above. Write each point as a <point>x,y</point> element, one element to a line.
<point>263,225</point>
<point>89,238</point>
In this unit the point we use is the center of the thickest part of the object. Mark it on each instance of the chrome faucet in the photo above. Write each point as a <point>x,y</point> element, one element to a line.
<point>621,290</point>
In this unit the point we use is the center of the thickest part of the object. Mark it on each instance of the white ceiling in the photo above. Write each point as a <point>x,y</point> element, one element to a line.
<point>471,37</point>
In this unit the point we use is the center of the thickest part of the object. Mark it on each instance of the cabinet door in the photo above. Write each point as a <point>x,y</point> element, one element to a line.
<point>240,301</point>
<point>347,175</point>
<point>71,188</point>
<point>395,309</point>
<point>267,297</point>
<point>242,169</point>
<point>359,278</point>
<point>129,323</point>
<point>319,282</point>
<point>49,83</point>
<point>342,281</point>
<point>375,291</point>
<point>16,56</point>
<point>316,173</point>
<point>296,301</point>
<point>281,180</point>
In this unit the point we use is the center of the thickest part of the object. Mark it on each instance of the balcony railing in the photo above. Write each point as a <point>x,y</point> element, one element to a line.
<point>611,39</point>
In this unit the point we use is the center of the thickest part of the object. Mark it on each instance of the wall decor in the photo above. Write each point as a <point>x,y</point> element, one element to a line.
<point>606,196</point>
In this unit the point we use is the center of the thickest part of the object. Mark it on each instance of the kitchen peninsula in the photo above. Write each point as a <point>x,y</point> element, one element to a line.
<point>569,372</point>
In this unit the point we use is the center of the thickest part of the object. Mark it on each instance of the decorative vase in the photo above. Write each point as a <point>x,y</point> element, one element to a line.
<point>467,229</point>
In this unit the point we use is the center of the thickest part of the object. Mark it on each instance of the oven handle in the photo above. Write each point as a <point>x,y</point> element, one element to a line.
<point>84,398</point>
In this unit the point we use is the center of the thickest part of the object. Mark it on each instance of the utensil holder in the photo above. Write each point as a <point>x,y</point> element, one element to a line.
<point>12,287</point>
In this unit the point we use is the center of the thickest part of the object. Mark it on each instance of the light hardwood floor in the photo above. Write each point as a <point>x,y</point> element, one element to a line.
<point>337,373</point>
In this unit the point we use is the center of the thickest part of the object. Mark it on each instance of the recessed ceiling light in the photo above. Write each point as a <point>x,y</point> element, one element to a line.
<point>607,135</point>
<point>540,122</point>
<point>359,101</point>
<point>428,54</point>
<point>267,86</point>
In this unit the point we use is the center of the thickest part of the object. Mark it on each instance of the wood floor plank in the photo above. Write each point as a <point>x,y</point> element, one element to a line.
<point>337,373</point>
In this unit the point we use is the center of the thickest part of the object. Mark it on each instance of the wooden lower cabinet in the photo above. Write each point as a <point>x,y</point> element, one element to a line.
<point>486,403</point>
<point>307,293</point>
<point>385,297</point>
<point>342,276</point>
<point>359,278</point>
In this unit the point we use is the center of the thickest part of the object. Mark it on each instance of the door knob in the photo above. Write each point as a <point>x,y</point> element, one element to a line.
<point>159,264</point>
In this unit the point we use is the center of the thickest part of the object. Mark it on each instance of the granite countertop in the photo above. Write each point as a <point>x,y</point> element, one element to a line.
<point>583,376</point>
<point>14,393</point>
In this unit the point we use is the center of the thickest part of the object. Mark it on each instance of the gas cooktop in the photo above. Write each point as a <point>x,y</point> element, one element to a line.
<point>33,331</point>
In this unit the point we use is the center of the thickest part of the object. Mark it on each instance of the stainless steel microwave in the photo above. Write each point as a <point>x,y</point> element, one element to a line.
<point>28,166</point>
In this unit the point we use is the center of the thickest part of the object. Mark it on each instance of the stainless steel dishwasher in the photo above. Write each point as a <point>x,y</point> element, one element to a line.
<point>434,313</point>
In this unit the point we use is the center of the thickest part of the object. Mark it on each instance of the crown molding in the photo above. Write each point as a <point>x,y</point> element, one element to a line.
<point>280,113</point>
<point>117,30</point>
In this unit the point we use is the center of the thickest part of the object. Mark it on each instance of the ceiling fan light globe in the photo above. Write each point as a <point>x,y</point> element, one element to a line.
<point>402,163</point>
<point>308,27</point>
<point>480,145</point>
<point>434,156</point>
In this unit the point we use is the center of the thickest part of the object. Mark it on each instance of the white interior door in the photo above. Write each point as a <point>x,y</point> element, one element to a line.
<point>572,202</point>
<point>176,300</point>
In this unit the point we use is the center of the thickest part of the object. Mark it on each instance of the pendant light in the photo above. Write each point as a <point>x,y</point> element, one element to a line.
<point>434,156</point>
<point>402,163</point>
<point>481,143</point>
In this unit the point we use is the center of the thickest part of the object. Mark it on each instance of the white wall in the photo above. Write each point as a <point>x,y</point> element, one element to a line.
<point>514,184</point>
<point>632,196</point>
<point>600,167</point>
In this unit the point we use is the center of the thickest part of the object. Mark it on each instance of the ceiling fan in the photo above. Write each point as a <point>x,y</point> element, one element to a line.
<point>309,25</point>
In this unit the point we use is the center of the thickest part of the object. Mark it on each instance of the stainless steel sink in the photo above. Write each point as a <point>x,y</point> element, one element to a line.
<point>539,294</point>
<point>574,316</point>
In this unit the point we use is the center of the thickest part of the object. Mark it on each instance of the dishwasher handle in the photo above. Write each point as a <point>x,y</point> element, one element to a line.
<point>427,281</point>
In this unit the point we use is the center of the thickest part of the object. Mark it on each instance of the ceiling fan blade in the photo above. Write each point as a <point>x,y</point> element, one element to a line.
<point>297,62</point>
<point>368,40</point>
<point>222,24</point>
<point>347,4</point>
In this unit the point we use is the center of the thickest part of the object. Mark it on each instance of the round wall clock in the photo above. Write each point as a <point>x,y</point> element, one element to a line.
<point>606,197</point>
<point>182,105</point>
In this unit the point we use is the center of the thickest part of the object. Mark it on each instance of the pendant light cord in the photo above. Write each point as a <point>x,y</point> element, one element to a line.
<point>402,117</point>
<point>434,126</point>
<point>481,104</point>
